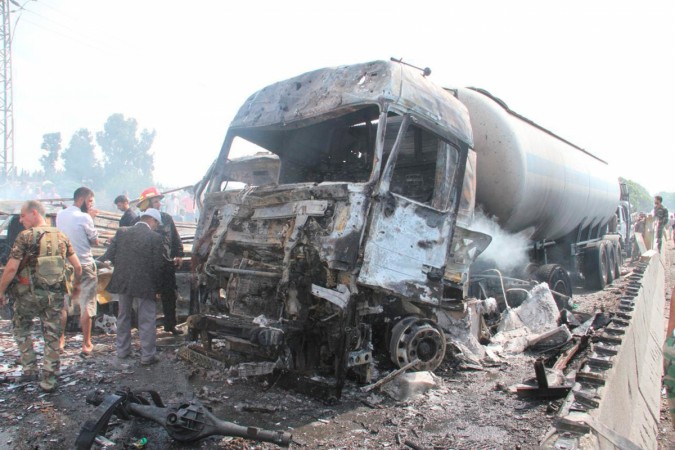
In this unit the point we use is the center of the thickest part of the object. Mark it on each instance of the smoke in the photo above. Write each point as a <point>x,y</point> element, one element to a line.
<point>507,252</point>
<point>9,193</point>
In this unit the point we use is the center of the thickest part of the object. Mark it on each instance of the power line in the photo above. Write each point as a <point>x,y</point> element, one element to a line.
<point>68,31</point>
<point>71,37</point>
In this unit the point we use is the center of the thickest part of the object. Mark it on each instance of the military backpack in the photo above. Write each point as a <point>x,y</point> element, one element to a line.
<point>51,269</point>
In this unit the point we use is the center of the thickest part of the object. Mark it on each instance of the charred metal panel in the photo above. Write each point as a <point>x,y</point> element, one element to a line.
<point>334,227</point>
<point>406,250</point>
<point>305,208</point>
<point>338,297</point>
<point>339,248</point>
<point>467,245</point>
<point>227,213</point>
<point>331,91</point>
<point>256,170</point>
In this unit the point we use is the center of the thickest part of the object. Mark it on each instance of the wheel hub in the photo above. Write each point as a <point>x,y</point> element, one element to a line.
<point>416,338</point>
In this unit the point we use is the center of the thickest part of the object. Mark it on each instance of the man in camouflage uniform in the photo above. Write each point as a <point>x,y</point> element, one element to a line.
<point>661,217</point>
<point>33,298</point>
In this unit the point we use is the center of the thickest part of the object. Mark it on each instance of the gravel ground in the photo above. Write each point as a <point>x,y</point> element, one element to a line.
<point>469,409</point>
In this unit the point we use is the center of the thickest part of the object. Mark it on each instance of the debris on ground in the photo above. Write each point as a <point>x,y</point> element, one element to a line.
<point>481,387</point>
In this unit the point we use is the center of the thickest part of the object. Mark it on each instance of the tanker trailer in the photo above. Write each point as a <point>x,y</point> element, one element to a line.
<point>562,197</point>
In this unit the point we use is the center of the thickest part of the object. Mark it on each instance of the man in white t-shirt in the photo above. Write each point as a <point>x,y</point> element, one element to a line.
<point>77,222</point>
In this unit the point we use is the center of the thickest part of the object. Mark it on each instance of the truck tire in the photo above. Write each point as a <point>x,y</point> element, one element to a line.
<point>595,267</point>
<point>611,260</point>
<point>618,262</point>
<point>558,281</point>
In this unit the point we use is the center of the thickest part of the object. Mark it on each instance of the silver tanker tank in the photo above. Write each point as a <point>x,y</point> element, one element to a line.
<point>531,179</point>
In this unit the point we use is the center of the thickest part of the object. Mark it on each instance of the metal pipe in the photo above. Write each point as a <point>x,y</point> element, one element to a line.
<point>256,273</point>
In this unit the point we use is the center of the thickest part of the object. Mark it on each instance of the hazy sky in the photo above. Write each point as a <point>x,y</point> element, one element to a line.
<point>597,73</point>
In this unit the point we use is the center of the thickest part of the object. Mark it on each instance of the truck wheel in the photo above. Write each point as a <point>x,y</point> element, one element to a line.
<point>618,262</point>
<point>595,267</point>
<point>611,260</point>
<point>416,338</point>
<point>558,281</point>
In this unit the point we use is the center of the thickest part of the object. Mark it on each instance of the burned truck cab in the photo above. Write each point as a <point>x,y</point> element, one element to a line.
<point>346,255</point>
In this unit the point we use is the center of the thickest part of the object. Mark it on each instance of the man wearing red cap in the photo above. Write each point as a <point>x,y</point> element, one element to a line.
<point>151,198</point>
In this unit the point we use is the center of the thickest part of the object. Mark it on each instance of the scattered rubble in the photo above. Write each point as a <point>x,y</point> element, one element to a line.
<point>472,403</point>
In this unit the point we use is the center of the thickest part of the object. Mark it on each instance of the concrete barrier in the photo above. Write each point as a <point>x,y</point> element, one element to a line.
<point>615,403</point>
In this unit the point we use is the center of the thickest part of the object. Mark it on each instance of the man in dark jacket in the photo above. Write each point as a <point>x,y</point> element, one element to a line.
<point>129,217</point>
<point>151,198</point>
<point>140,261</point>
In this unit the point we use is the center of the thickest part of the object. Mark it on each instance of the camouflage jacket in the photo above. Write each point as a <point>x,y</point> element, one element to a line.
<point>25,247</point>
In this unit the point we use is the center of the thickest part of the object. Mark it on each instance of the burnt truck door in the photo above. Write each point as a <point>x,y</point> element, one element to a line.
<point>413,213</point>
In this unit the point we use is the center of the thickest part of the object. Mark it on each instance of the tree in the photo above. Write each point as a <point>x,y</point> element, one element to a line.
<point>668,200</point>
<point>79,161</point>
<point>128,163</point>
<point>51,144</point>
<point>639,196</point>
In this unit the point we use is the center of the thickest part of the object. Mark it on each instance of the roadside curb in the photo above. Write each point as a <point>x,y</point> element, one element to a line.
<point>615,402</point>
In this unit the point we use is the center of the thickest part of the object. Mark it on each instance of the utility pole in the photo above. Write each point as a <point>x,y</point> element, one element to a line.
<point>7,100</point>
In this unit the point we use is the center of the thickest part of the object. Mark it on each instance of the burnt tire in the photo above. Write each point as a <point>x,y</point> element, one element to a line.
<point>558,281</point>
<point>595,267</point>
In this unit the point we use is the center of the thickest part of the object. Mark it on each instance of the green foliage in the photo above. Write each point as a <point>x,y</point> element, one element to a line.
<point>51,144</point>
<point>127,165</point>
<point>640,198</point>
<point>643,201</point>
<point>127,161</point>
<point>79,161</point>
<point>668,200</point>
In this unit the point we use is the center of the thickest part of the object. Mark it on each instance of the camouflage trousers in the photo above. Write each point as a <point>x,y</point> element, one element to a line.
<point>47,306</point>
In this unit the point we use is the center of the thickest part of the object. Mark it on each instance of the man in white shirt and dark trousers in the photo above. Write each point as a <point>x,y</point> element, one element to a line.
<point>77,222</point>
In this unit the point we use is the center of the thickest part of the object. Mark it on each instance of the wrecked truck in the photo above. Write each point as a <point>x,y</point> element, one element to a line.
<point>351,241</point>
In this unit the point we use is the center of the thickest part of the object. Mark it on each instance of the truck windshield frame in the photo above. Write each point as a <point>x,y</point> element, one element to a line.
<point>420,165</point>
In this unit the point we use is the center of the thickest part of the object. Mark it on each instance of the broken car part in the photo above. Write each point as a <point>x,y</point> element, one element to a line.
<point>186,422</point>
